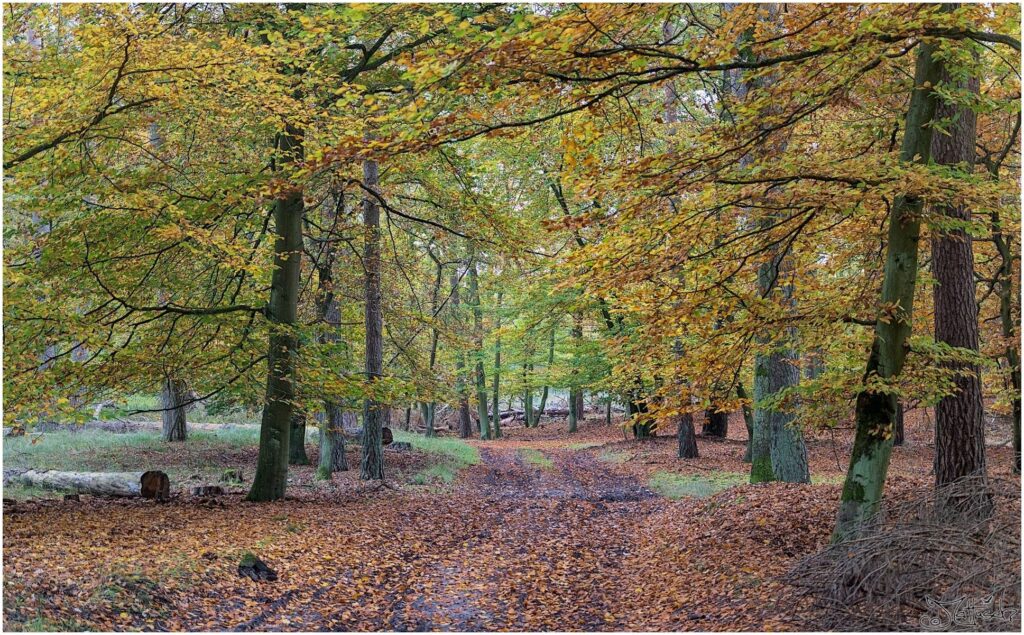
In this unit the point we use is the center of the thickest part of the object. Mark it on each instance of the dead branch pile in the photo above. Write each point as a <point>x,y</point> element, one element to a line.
<point>946,559</point>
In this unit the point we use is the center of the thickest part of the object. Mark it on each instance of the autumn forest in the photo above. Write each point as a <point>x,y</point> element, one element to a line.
<point>511,317</point>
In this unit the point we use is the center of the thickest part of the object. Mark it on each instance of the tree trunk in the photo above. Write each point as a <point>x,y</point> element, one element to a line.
<point>687,437</point>
<point>478,353</point>
<point>297,442</point>
<point>372,463</point>
<point>527,396</point>
<point>497,370</point>
<point>173,397</point>
<point>897,434</point>
<point>332,442</point>
<point>716,424</point>
<point>959,417</point>
<point>748,421</point>
<point>151,484</point>
<point>875,412</point>
<point>575,393</point>
<point>544,392</point>
<point>465,421</point>
<point>272,465</point>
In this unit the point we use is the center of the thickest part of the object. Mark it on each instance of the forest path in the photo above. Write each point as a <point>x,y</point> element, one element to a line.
<point>553,520</point>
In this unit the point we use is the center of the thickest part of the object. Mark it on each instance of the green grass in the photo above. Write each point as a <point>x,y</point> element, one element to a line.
<point>103,451</point>
<point>836,479</point>
<point>584,445</point>
<point>452,454</point>
<point>611,456</point>
<point>672,485</point>
<point>535,457</point>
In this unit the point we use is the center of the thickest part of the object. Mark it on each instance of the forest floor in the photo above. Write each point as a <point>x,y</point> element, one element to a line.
<point>540,530</point>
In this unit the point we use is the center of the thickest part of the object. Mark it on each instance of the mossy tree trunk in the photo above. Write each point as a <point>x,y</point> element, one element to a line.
<point>876,410</point>
<point>275,428</point>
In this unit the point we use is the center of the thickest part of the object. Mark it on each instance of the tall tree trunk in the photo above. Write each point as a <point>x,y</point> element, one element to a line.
<point>332,440</point>
<point>575,393</point>
<point>372,464</point>
<point>959,417</point>
<point>465,421</point>
<point>497,370</point>
<point>478,352</point>
<point>297,442</point>
<point>872,445</point>
<point>272,465</point>
<point>173,397</point>
<point>527,395</point>
<point>544,393</point>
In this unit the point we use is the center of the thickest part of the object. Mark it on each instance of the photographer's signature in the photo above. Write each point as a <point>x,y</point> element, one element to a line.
<point>981,612</point>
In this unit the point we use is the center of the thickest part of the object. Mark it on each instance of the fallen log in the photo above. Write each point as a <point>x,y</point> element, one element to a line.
<point>150,484</point>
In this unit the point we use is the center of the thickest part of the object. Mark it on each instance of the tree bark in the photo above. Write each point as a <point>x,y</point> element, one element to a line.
<point>898,436</point>
<point>272,465</point>
<point>332,441</point>
<point>478,352</point>
<point>716,424</point>
<point>496,422</point>
<point>959,417</point>
<point>297,442</point>
<point>875,411</point>
<point>173,397</point>
<point>372,463</point>
<point>465,424</point>
<point>748,421</point>
<point>687,437</point>
<point>575,394</point>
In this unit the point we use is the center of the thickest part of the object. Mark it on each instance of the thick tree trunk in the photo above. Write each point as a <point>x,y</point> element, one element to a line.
<point>687,437</point>
<point>151,484</point>
<point>297,442</point>
<point>332,441</point>
<point>575,392</point>
<point>959,417</point>
<point>875,412</point>
<point>716,424</point>
<point>272,465</point>
<point>478,353</point>
<point>173,397</point>
<point>374,412</point>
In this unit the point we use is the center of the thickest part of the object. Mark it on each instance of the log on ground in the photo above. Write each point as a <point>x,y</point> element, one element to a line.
<point>149,484</point>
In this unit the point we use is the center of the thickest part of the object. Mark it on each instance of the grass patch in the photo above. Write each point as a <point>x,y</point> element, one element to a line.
<point>584,445</point>
<point>835,479</point>
<point>611,456</point>
<point>535,457</point>
<point>452,454</point>
<point>672,485</point>
<point>80,450</point>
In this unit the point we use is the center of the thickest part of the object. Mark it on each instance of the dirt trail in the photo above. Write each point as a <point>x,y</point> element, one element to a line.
<point>536,509</point>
